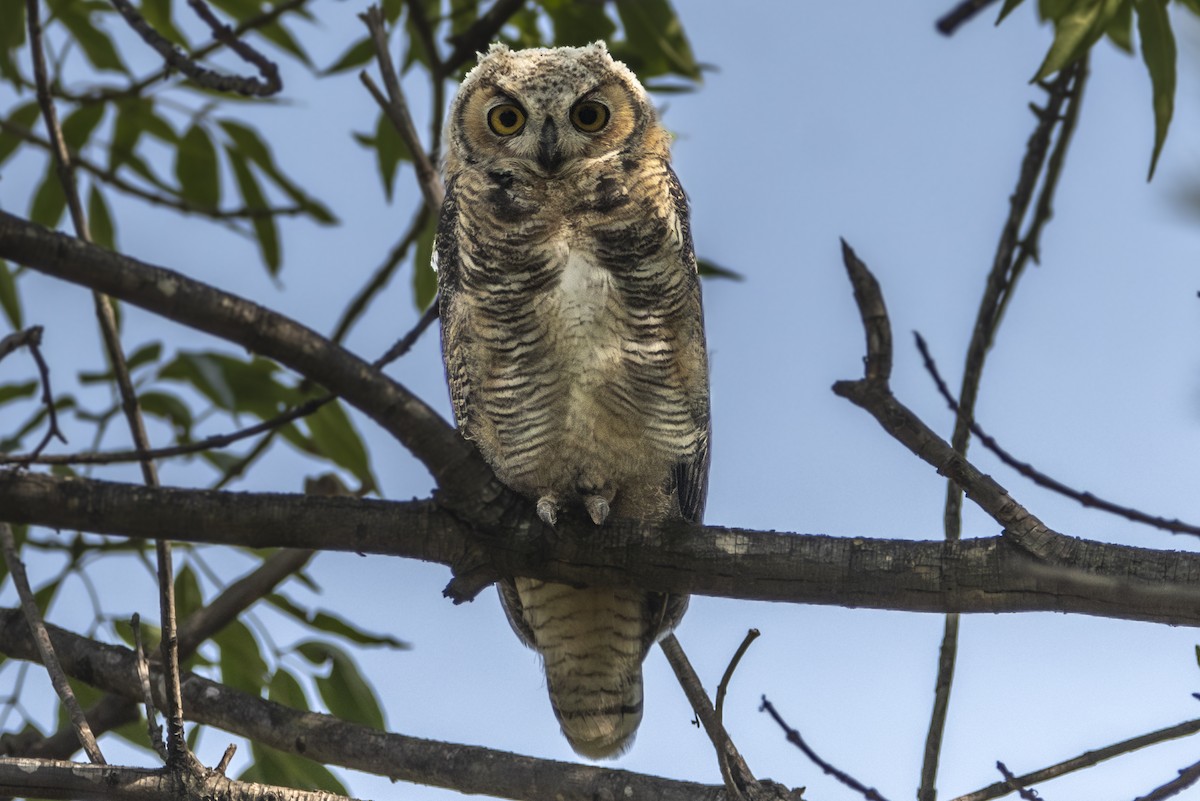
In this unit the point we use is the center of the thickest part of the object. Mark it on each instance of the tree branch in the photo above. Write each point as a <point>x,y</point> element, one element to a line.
<point>328,740</point>
<point>974,575</point>
<point>52,778</point>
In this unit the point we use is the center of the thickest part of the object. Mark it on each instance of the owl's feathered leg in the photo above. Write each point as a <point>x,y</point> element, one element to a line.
<point>547,508</point>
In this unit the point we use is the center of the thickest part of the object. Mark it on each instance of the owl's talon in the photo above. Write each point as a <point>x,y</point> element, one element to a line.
<point>597,509</point>
<point>547,509</point>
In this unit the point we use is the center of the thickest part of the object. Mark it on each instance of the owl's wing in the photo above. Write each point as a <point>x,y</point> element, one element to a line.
<point>690,477</point>
<point>455,331</point>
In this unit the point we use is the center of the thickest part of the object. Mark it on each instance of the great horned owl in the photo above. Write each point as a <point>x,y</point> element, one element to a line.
<point>574,344</point>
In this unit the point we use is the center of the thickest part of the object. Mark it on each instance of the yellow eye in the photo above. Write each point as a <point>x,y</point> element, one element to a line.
<point>506,119</point>
<point>589,116</point>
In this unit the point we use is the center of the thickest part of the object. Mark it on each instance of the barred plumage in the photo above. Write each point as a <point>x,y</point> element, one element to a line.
<point>574,344</point>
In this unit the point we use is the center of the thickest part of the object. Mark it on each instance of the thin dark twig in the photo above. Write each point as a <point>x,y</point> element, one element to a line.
<point>723,687</point>
<point>207,78</point>
<point>1008,264</point>
<point>405,343</point>
<point>153,730</point>
<point>475,38</point>
<point>176,745</point>
<point>1085,760</point>
<point>1187,777</point>
<point>416,13</point>
<point>793,737</point>
<point>33,617</point>
<point>382,275</point>
<point>869,300</point>
<point>1041,479</point>
<point>734,771</point>
<point>226,758</point>
<point>396,107</point>
<point>31,339</point>
<point>962,13</point>
<point>1015,784</point>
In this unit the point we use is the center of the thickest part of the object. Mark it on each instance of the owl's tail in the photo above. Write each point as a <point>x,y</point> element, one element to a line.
<point>592,641</point>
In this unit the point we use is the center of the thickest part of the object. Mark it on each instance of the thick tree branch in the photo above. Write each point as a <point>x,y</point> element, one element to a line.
<point>326,739</point>
<point>974,575</point>
<point>464,479</point>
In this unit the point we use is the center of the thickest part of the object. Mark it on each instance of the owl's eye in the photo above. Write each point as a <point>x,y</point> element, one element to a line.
<point>506,119</point>
<point>589,116</point>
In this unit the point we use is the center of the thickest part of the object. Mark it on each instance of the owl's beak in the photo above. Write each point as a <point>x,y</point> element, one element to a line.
<point>549,153</point>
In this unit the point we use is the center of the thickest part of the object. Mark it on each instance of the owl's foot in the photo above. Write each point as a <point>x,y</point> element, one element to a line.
<point>547,509</point>
<point>597,508</point>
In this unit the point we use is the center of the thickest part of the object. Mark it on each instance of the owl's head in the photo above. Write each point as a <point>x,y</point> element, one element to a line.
<point>549,109</point>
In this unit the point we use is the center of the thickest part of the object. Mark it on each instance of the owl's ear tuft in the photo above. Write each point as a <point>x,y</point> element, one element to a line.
<point>496,48</point>
<point>599,46</point>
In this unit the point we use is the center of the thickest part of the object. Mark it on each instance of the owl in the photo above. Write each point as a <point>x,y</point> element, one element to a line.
<point>573,340</point>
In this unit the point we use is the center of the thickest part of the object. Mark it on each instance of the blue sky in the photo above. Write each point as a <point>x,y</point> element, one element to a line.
<point>821,121</point>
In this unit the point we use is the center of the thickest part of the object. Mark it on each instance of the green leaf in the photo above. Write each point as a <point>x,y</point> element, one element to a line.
<point>78,126</point>
<point>654,39</point>
<point>288,770</point>
<point>424,278</point>
<point>1076,30</point>
<point>166,406</point>
<point>1120,29</point>
<point>265,229</point>
<point>10,392</point>
<point>248,142</point>
<point>333,624</point>
<point>356,55</point>
<point>462,14</point>
<point>390,150</point>
<point>1007,9</point>
<point>188,595</point>
<point>284,689</point>
<point>336,439</point>
<point>242,664</point>
<point>131,123</point>
<point>25,116</point>
<point>578,23</point>
<point>345,692</point>
<point>96,46</point>
<point>100,223</point>
<point>12,33</point>
<point>709,269</point>
<point>49,201</point>
<point>10,300</point>
<point>1158,51</point>
<point>232,384</point>
<point>197,170</point>
<point>158,14</point>
<point>282,38</point>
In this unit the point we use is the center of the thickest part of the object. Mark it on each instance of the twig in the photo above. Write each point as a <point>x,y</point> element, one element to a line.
<point>416,13</point>
<point>475,38</point>
<point>1041,479</point>
<point>1008,264</point>
<point>382,275</point>
<point>33,618</point>
<point>113,179</point>
<point>31,338</point>
<point>738,778</point>
<point>396,107</point>
<point>405,343</point>
<point>1085,760</point>
<point>1187,777</point>
<point>1015,784</point>
<point>153,730</point>
<point>962,13</point>
<point>793,737</point>
<point>207,78</point>
<point>723,687</point>
<point>226,758</point>
<point>176,745</point>
<point>268,16</point>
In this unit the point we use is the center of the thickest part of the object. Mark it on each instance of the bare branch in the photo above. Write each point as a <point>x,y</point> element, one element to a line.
<point>205,77</point>
<point>978,575</point>
<point>793,737</point>
<point>31,338</point>
<point>723,687</point>
<point>1085,760</point>
<point>1186,778</point>
<point>153,730</point>
<point>33,618</point>
<point>396,107</point>
<point>962,13</point>
<point>50,778</point>
<point>328,740</point>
